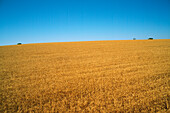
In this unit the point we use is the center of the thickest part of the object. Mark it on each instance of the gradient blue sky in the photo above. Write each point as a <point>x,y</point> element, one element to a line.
<point>35,21</point>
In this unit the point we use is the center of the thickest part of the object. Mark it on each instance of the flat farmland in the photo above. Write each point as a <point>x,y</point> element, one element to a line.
<point>91,76</point>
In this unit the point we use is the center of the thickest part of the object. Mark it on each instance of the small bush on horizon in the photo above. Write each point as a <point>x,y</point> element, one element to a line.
<point>19,43</point>
<point>150,38</point>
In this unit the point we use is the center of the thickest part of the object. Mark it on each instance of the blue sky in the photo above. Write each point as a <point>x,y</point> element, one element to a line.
<point>36,21</point>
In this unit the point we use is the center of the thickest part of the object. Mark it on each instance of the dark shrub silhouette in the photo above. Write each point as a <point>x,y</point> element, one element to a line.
<point>134,38</point>
<point>19,43</point>
<point>150,38</point>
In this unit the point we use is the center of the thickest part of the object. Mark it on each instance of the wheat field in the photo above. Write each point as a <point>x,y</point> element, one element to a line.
<point>92,76</point>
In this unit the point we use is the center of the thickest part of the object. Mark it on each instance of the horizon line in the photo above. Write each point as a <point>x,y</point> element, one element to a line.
<point>78,41</point>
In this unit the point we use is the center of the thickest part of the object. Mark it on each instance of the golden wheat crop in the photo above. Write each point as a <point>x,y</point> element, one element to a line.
<point>94,76</point>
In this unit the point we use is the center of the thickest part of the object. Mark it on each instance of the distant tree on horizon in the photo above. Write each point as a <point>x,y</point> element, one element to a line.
<point>150,38</point>
<point>19,43</point>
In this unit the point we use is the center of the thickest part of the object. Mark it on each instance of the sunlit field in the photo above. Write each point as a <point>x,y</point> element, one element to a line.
<point>94,76</point>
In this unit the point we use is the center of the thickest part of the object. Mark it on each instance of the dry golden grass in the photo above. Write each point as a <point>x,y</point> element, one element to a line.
<point>96,76</point>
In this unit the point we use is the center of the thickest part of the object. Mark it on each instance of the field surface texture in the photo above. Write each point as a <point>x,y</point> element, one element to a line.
<point>94,76</point>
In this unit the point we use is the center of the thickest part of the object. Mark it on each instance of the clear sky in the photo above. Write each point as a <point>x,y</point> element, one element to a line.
<point>35,21</point>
